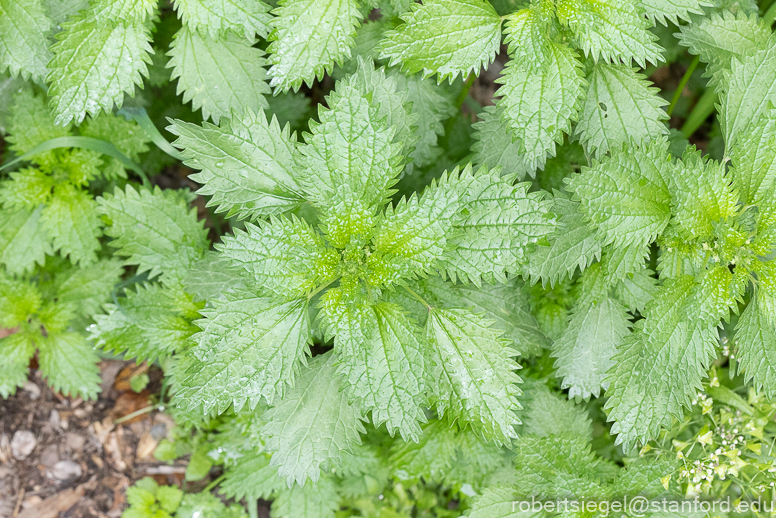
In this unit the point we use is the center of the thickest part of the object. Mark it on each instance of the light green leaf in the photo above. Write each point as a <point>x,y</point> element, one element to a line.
<point>18,300</point>
<point>252,478</point>
<point>220,75</point>
<point>23,240</point>
<point>584,352</point>
<point>611,30</point>
<point>285,255</point>
<point>474,373</point>
<point>246,164</point>
<point>540,99</point>
<point>431,457</point>
<point>721,37</point>
<point>499,502</point>
<point>313,424</point>
<point>507,305</point>
<point>88,288</point>
<point>69,364</point>
<point>494,146</point>
<point>94,65</point>
<point>749,90</point>
<point>348,163</point>
<point>15,353</point>
<point>308,37</point>
<point>23,42</point>
<point>26,189</point>
<point>245,18</point>
<point>131,11</point>
<point>546,412</point>
<point>664,11</point>
<point>573,244</point>
<point>754,162</point>
<point>154,230</point>
<point>72,222</point>
<point>249,347</point>
<point>213,276</point>
<point>319,500</point>
<point>625,195</point>
<point>381,360</point>
<point>32,124</point>
<point>620,107</point>
<point>445,37</point>
<point>756,340</point>
<point>149,323</point>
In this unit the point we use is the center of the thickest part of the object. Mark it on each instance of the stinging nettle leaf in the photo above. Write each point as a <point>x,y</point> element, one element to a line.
<point>220,75</point>
<point>245,18</point>
<point>474,373</point>
<point>23,240</point>
<point>94,65</point>
<point>620,107</point>
<point>308,37</point>
<point>444,37</point>
<point>664,11</point>
<point>72,221</point>
<point>23,42</point>
<point>250,347</point>
<point>246,163</point>
<point>313,424</point>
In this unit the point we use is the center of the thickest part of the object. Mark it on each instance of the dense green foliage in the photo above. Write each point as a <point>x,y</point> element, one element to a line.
<point>382,245</point>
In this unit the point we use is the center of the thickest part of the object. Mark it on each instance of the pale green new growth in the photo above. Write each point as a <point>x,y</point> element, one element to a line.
<point>313,425</point>
<point>219,74</point>
<point>71,220</point>
<point>23,42</point>
<point>445,37</point>
<point>308,37</point>
<point>23,240</point>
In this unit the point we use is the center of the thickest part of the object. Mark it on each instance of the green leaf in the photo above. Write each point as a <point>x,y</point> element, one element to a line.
<point>246,164</point>
<point>72,222</point>
<point>431,457</point>
<point>23,41</point>
<point>132,11</point>
<point>754,162</point>
<point>658,369</point>
<point>169,498</point>
<point>23,240</point>
<point>749,90</point>
<point>474,373</point>
<point>26,189</point>
<point>313,424</point>
<point>319,500</point>
<point>664,11</point>
<point>348,163</point>
<point>252,477</point>
<point>499,502</point>
<point>94,65</point>
<point>220,75</point>
<point>308,37</point>
<point>245,18</point>
<point>573,244</point>
<point>69,364</point>
<point>721,37</point>
<point>540,99</point>
<point>18,300</point>
<point>702,195</point>
<point>445,37</point>
<point>150,323</point>
<point>285,255</point>
<point>498,222</point>
<point>212,277</point>
<point>625,195</point>
<point>755,337</point>
<point>494,146</point>
<point>154,230</point>
<point>31,124</point>
<point>584,352</point>
<point>88,288</point>
<point>620,107</point>
<point>546,412</point>
<point>15,353</point>
<point>249,347</point>
<point>381,360</point>
<point>199,465</point>
<point>611,30</point>
<point>507,305</point>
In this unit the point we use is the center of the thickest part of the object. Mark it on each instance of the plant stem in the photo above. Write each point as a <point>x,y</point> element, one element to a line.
<point>418,297</point>
<point>214,483</point>
<point>142,411</point>
<point>703,108</point>
<point>682,84</point>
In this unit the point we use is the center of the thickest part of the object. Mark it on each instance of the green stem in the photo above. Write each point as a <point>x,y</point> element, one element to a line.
<point>703,108</point>
<point>682,84</point>
<point>142,411</point>
<point>214,484</point>
<point>418,298</point>
<point>317,291</point>
<point>770,15</point>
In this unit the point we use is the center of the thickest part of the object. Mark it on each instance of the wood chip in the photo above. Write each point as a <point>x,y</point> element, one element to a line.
<point>52,506</point>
